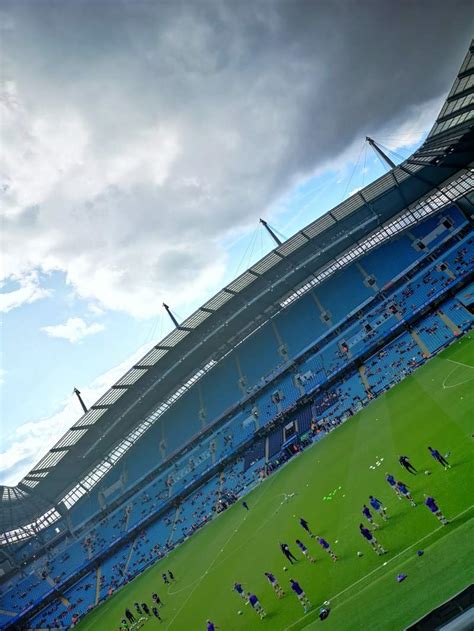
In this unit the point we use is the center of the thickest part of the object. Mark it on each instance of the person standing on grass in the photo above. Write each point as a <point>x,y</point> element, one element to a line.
<point>239,590</point>
<point>304,524</point>
<point>211,626</point>
<point>299,591</point>
<point>129,615</point>
<point>365,532</point>
<point>156,613</point>
<point>157,600</point>
<point>406,464</point>
<point>304,550</point>
<point>326,547</point>
<point>430,502</point>
<point>287,552</point>
<point>368,515</point>
<point>393,484</point>
<point>275,584</point>
<point>245,505</point>
<point>255,603</point>
<point>404,491</point>
<point>439,458</point>
<point>378,506</point>
<point>165,578</point>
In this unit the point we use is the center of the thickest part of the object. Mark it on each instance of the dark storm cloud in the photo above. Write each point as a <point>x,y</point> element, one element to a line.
<point>170,123</point>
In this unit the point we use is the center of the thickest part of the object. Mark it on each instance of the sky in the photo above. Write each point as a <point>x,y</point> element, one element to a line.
<point>142,141</point>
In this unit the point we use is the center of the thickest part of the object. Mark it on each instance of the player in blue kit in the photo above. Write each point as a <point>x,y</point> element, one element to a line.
<point>255,603</point>
<point>378,506</point>
<point>439,458</point>
<point>304,550</point>
<point>365,532</point>
<point>275,584</point>
<point>299,591</point>
<point>393,484</point>
<point>430,502</point>
<point>211,626</point>
<point>404,492</point>
<point>156,613</point>
<point>326,547</point>
<point>304,524</point>
<point>368,515</point>
<point>240,590</point>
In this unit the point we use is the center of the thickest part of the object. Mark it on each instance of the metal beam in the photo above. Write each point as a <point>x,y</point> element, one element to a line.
<point>270,232</point>
<point>78,395</point>
<point>383,155</point>
<point>173,319</point>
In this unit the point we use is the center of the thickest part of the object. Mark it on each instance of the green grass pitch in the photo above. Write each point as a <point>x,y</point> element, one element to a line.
<point>434,406</point>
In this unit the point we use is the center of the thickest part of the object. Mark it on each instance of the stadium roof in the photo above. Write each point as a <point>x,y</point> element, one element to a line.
<point>149,388</point>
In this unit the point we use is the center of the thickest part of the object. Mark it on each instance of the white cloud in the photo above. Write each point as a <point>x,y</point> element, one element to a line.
<point>28,443</point>
<point>29,291</point>
<point>74,330</point>
<point>138,139</point>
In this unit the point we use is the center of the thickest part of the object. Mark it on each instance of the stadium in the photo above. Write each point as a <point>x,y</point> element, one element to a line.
<point>295,389</point>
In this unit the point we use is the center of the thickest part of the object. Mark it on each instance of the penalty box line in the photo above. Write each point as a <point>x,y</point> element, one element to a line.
<point>381,566</point>
<point>213,562</point>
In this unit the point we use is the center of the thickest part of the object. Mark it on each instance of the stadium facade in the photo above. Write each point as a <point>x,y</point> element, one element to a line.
<point>292,344</point>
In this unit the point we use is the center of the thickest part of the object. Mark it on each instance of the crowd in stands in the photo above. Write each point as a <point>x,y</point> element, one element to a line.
<point>393,363</point>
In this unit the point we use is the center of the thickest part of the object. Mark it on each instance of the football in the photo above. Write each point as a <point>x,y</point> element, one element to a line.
<point>427,472</point>
<point>285,569</point>
<point>359,554</point>
<point>239,613</point>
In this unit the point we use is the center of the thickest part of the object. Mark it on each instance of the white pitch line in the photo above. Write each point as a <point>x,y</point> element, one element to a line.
<point>459,363</point>
<point>202,577</point>
<point>381,566</point>
<point>262,525</point>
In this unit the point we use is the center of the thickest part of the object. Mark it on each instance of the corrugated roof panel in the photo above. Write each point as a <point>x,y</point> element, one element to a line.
<point>91,417</point>
<point>241,282</point>
<point>152,357</point>
<point>468,62</point>
<point>413,168</point>
<point>218,300</point>
<point>379,187</point>
<point>173,338</point>
<point>318,226</point>
<point>110,397</point>
<point>30,483</point>
<point>50,460</point>
<point>295,242</point>
<point>400,174</point>
<point>266,263</point>
<point>196,319</point>
<point>131,377</point>
<point>347,207</point>
<point>453,106</point>
<point>71,438</point>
